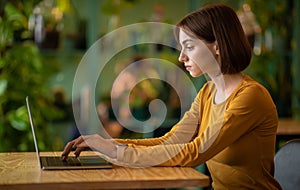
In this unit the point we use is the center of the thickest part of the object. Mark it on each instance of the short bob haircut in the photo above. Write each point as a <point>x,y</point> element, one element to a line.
<point>218,22</point>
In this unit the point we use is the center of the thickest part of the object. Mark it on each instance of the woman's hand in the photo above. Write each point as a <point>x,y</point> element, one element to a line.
<point>95,142</point>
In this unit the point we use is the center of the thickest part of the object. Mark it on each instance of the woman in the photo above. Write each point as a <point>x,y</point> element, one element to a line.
<point>231,125</point>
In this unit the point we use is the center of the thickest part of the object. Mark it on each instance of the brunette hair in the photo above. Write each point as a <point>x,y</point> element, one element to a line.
<point>219,22</point>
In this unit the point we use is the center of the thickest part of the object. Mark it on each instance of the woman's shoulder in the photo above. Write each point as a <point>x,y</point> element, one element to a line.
<point>248,83</point>
<point>252,92</point>
<point>251,84</point>
<point>248,87</point>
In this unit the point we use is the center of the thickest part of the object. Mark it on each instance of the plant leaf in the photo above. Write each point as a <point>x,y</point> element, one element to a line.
<point>18,119</point>
<point>13,14</point>
<point>3,85</point>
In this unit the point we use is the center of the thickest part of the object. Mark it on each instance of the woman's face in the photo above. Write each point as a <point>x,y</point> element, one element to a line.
<point>198,57</point>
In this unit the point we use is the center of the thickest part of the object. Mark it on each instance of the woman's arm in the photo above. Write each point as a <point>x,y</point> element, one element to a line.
<point>250,108</point>
<point>182,132</point>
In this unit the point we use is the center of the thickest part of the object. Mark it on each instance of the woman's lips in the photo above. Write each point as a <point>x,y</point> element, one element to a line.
<point>188,67</point>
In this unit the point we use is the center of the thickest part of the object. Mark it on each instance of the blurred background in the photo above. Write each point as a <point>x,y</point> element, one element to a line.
<point>43,41</point>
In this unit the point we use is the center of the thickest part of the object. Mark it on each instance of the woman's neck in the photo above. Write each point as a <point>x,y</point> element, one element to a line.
<point>225,85</point>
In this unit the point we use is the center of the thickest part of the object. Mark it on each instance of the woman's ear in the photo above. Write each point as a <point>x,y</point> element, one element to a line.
<point>216,48</point>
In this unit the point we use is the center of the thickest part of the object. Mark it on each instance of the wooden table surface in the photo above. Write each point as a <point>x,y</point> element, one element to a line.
<point>287,126</point>
<point>20,170</point>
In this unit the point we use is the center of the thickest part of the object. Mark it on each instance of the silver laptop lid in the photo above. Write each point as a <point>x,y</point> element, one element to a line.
<point>33,133</point>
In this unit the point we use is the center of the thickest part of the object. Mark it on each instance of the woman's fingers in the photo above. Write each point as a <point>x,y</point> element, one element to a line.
<point>67,150</point>
<point>78,150</point>
<point>79,140</point>
<point>70,145</point>
<point>88,141</point>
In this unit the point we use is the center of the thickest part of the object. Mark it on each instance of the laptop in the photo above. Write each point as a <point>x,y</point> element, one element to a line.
<point>57,163</point>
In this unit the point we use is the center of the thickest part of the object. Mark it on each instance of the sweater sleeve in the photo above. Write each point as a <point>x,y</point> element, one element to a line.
<point>244,111</point>
<point>183,132</point>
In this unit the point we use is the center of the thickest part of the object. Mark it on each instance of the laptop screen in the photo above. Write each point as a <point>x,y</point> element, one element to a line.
<point>33,132</point>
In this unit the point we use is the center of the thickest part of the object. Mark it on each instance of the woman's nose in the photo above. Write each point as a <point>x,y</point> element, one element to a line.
<point>182,57</point>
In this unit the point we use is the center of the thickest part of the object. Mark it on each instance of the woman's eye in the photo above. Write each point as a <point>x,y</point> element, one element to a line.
<point>189,47</point>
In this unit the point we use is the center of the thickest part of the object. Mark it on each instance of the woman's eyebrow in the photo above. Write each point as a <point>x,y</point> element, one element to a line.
<point>185,41</point>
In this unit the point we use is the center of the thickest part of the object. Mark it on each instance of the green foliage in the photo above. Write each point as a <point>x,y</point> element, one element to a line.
<point>114,7</point>
<point>273,66</point>
<point>22,73</point>
<point>264,69</point>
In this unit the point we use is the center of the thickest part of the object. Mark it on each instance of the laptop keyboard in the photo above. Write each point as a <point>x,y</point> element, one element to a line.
<point>71,161</point>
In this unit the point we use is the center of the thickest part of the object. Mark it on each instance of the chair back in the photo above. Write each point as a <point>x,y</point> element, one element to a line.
<point>287,165</point>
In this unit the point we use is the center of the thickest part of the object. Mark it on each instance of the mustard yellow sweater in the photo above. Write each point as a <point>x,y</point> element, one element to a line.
<point>236,139</point>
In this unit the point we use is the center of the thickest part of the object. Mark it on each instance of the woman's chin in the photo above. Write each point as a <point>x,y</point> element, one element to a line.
<point>198,74</point>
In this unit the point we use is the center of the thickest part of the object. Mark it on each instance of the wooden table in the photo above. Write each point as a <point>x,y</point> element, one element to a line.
<point>287,126</point>
<point>19,170</point>
<point>288,129</point>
